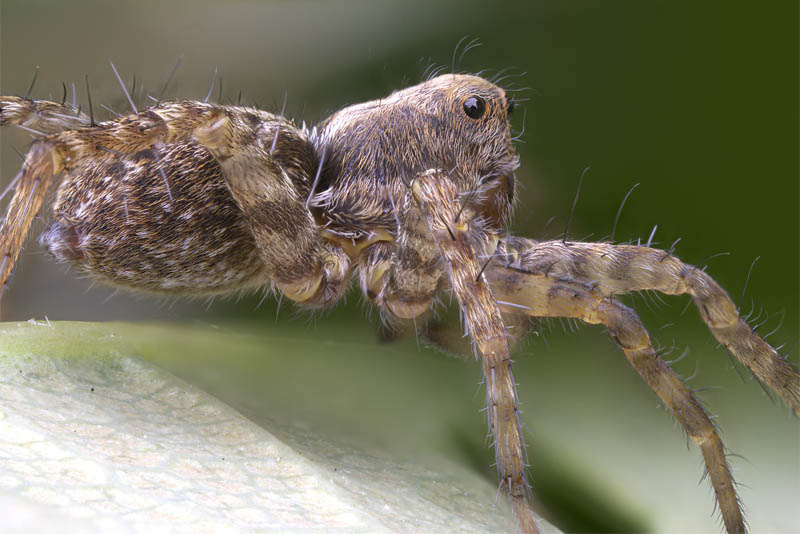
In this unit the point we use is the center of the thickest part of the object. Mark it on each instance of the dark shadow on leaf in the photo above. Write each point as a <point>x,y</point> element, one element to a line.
<point>560,495</point>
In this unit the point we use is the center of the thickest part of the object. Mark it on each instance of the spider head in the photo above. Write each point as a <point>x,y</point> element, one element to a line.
<point>455,122</point>
<point>467,120</point>
<point>476,136</point>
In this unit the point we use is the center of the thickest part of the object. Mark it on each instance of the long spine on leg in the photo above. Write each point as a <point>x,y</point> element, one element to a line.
<point>437,198</point>
<point>42,163</point>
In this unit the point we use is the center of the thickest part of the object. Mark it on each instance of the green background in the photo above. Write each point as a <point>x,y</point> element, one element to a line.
<point>696,101</point>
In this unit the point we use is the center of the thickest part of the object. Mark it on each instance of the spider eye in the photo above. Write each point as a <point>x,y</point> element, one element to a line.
<point>474,107</point>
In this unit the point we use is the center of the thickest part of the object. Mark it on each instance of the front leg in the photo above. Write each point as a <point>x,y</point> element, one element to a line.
<point>541,295</point>
<point>457,237</point>
<point>616,269</point>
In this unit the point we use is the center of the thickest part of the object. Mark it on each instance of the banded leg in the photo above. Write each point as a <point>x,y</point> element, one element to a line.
<point>547,296</point>
<point>42,164</point>
<point>616,269</point>
<point>302,265</point>
<point>41,116</point>
<point>457,241</point>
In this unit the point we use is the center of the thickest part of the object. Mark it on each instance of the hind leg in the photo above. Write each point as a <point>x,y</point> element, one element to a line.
<point>41,116</point>
<point>42,165</point>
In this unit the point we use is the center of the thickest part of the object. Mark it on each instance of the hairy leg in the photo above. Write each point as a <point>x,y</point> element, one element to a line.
<point>460,244</point>
<point>547,296</point>
<point>616,269</point>
<point>41,116</point>
<point>42,164</point>
<point>449,338</point>
<point>301,264</point>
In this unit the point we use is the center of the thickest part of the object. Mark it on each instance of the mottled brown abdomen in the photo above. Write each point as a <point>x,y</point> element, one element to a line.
<point>162,220</point>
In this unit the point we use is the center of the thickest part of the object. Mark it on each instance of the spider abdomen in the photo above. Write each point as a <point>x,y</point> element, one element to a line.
<point>159,220</point>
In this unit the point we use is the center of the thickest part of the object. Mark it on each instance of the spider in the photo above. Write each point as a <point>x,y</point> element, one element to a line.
<point>410,195</point>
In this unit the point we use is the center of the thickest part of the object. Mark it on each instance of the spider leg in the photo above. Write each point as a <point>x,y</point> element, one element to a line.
<point>547,296</point>
<point>458,242</point>
<point>305,267</point>
<point>402,276</point>
<point>616,269</point>
<point>42,164</point>
<point>41,115</point>
<point>449,338</point>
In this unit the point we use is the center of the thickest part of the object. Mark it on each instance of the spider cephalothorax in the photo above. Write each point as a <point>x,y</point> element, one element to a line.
<point>409,194</point>
<point>373,150</point>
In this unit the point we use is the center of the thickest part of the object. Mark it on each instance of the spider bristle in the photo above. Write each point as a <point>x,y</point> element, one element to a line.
<point>789,352</point>
<point>124,89</point>
<point>782,314</point>
<point>703,476</point>
<point>107,108</point>
<point>694,373</point>
<point>213,82</point>
<point>746,281</point>
<point>264,295</point>
<point>574,204</point>
<point>765,389</point>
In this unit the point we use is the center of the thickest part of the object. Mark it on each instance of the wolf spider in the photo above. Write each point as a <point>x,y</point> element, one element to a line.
<point>410,194</point>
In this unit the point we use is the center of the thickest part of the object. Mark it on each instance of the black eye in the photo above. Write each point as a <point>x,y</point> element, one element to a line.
<point>474,107</point>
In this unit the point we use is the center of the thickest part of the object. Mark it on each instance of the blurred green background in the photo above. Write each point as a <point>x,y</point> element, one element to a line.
<point>698,102</point>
